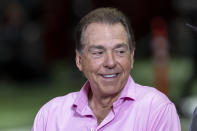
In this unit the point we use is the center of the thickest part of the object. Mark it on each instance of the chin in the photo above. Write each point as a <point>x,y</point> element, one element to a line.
<point>110,90</point>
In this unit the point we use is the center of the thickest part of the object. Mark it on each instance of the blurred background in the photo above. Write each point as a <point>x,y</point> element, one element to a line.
<point>37,53</point>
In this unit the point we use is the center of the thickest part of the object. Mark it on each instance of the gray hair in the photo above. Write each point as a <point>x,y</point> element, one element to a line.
<point>106,16</point>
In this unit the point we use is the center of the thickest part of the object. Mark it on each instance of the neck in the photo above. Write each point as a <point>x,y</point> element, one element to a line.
<point>101,105</point>
<point>102,102</point>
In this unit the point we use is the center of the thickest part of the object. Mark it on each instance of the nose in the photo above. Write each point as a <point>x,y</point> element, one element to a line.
<point>110,61</point>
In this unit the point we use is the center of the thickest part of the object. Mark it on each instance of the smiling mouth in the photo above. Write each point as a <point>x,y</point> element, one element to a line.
<point>107,76</point>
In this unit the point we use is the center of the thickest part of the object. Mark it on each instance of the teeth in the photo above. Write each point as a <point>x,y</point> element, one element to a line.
<point>109,76</point>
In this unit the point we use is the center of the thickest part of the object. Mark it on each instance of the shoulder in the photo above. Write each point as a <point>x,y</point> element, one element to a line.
<point>151,95</point>
<point>60,102</point>
<point>53,110</point>
<point>155,102</point>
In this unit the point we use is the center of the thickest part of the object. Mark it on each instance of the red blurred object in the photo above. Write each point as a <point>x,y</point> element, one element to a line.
<point>160,53</point>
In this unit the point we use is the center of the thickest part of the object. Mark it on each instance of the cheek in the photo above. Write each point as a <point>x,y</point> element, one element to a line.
<point>91,65</point>
<point>126,64</point>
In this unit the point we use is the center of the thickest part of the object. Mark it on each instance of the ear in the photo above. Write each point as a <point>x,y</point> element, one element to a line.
<point>78,60</point>
<point>132,58</point>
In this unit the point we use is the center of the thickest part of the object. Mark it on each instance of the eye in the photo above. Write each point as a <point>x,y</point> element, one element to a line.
<point>97,53</point>
<point>120,52</point>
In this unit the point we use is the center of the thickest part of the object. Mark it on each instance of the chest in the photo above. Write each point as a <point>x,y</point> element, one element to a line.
<point>125,118</point>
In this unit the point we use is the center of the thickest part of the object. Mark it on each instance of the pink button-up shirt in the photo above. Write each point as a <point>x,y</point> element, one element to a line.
<point>139,108</point>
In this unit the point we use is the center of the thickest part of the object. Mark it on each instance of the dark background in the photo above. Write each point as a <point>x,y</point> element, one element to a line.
<point>37,52</point>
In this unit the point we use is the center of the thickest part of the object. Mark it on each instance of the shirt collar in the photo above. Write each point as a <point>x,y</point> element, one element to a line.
<point>81,102</point>
<point>129,91</point>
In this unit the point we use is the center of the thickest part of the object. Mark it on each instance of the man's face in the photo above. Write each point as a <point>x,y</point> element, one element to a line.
<point>106,60</point>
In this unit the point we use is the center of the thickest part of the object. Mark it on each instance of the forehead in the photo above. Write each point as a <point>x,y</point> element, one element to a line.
<point>101,32</point>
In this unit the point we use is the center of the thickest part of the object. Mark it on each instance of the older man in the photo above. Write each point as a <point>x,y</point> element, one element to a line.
<point>110,100</point>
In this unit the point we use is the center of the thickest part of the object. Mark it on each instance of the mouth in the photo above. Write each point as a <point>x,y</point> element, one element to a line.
<point>110,76</point>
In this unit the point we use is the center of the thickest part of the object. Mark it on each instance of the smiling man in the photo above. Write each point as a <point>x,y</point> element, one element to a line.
<point>110,100</point>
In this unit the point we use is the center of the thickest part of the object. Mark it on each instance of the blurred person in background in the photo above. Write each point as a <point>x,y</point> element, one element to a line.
<point>110,99</point>
<point>11,38</point>
<point>187,11</point>
<point>21,55</point>
<point>188,99</point>
<point>187,90</point>
<point>193,126</point>
<point>186,43</point>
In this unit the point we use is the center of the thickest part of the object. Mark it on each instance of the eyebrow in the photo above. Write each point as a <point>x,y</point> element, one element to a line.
<point>96,47</point>
<point>121,45</point>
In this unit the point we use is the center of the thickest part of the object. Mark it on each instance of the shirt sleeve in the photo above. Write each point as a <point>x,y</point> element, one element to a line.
<point>164,118</point>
